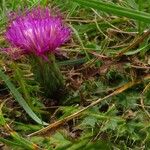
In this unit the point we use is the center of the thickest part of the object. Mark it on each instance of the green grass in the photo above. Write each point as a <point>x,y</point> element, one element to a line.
<point>93,69</point>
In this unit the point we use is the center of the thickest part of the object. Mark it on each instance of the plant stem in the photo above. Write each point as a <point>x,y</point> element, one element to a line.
<point>49,76</point>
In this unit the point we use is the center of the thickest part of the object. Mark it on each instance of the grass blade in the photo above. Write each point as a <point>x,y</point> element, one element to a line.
<point>115,9</point>
<point>20,99</point>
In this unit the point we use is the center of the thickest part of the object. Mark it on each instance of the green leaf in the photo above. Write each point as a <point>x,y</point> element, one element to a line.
<point>9,142</point>
<point>101,145</point>
<point>59,140</point>
<point>73,62</point>
<point>20,99</point>
<point>115,9</point>
<point>89,121</point>
<point>2,120</point>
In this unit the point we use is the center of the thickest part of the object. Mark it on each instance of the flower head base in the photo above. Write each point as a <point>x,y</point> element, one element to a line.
<point>37,32</point>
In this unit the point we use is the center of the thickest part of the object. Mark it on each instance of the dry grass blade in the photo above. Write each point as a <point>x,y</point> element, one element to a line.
<point>68,118</point>
<point>134,43</point>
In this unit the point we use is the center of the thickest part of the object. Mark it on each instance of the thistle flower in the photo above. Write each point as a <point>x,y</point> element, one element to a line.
<point>37,32</point>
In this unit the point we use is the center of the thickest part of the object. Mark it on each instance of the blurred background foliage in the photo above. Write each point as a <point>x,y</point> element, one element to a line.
<point>96,61</point>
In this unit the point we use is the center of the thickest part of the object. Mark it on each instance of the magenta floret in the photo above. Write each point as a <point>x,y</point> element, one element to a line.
<point>37,32</point>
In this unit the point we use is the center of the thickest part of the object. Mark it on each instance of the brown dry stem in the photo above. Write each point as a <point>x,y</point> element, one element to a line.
<point>58,123</point>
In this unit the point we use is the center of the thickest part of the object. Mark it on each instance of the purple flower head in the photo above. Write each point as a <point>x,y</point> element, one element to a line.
<point>37,32</point>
